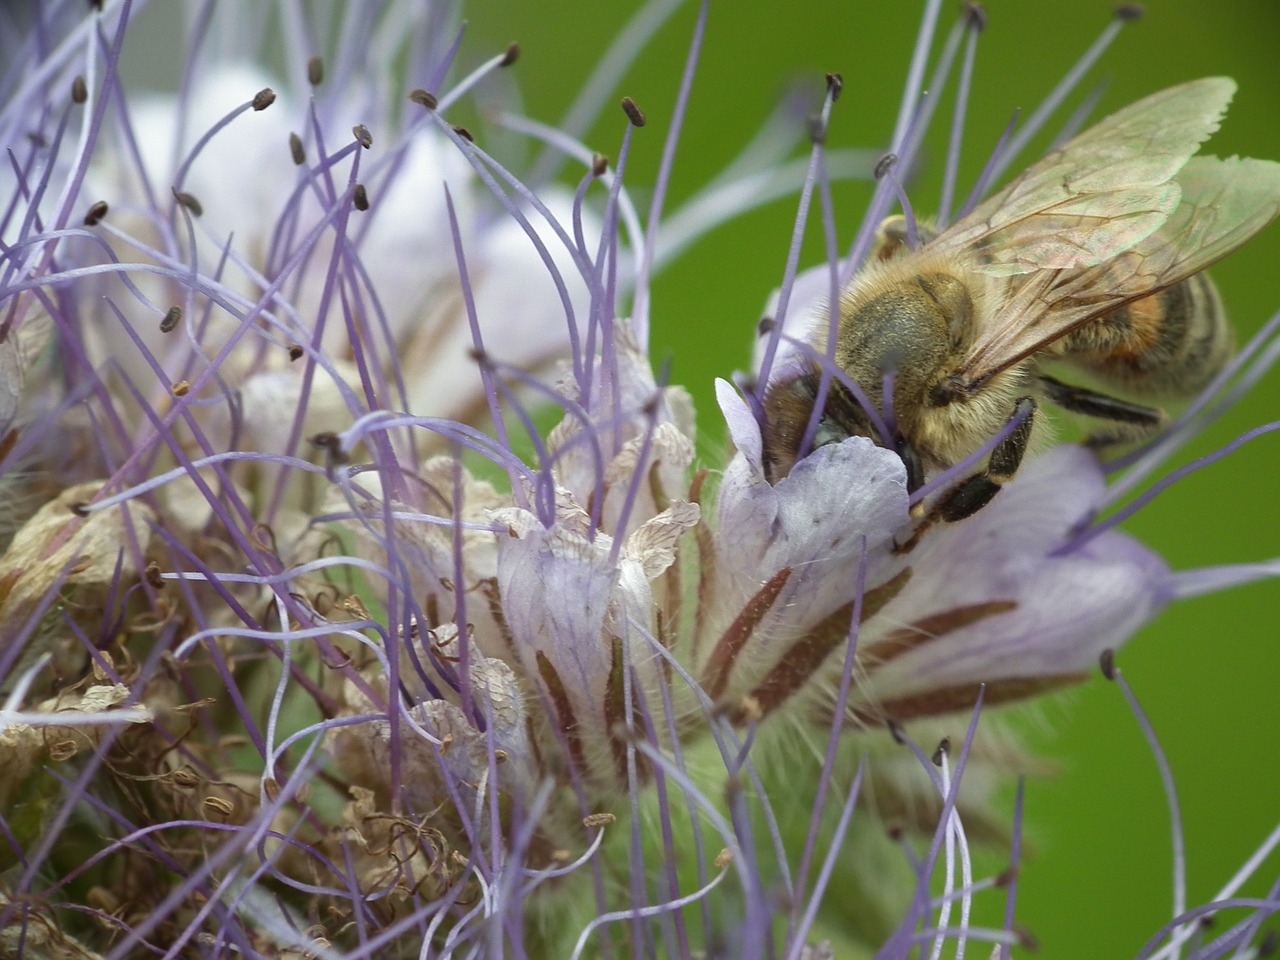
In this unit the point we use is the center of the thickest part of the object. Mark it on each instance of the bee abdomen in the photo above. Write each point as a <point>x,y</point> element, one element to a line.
<point>1168,344</point>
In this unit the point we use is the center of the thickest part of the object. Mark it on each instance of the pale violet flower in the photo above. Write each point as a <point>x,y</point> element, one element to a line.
<point>365,595</point>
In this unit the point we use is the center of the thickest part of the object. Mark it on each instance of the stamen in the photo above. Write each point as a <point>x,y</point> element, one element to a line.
<point>633,112</point>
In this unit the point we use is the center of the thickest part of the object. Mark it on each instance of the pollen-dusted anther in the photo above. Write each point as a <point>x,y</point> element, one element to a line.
<point>219,806</point>
<point>512,54</point>
<point>95,214</point>
<point>315,70</point>
<point>885,164</point>
<point>187,200</point>
<point>172,317</point>
<point>1107,663</point>
<point>79,90</point>
<point>599,165</point>
<point>599,820</point>
<point>465,134</point>
<point>633,112</point>
<point>835,85</point>
<point>295,352</point>
<point>724,858</point>
<point>263,99</point>
<point>423,98</point>
<point>360,197</point>
<point>944,749</point>
<point>181,388</point>
<point>152,573</point>
<point>975,16</point>
<point>362,135</point>
<point>296,150</point>
<point>1130,11</point>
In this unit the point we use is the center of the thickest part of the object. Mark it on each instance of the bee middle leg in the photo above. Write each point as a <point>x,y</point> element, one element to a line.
<point>1127,422</point>
<point>977,490</point>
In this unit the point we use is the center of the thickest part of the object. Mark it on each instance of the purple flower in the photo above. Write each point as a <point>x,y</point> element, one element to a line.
<point>365,595</point>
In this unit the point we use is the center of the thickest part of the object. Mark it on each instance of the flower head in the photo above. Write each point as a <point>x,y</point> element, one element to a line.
<point>338,649</point>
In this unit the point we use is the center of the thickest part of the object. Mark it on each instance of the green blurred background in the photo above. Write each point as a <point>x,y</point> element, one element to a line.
<point>1206,671</point>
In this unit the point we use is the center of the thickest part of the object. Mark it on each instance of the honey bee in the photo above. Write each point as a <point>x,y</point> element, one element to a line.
<point>1092,258</point>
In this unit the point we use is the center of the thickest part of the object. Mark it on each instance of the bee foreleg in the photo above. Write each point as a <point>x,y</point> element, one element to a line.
<point>1129,421</point>
<point>977,490</point>
<point>915,469</point>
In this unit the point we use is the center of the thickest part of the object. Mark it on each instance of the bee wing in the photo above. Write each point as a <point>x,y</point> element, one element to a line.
<point>1098,194</point>
<point>1224,204</point>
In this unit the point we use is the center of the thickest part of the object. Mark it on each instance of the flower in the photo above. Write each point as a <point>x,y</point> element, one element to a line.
<point>338,650</point>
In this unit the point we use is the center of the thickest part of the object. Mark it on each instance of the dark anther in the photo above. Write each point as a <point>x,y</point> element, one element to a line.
<point>172,317</point>
<point>187,200</point>
<point>764,326</point>
<point>362,135</point>
<point>152,573</point>
<point>1107,662</point>
<point>975,15</point>
<point>295,150</point>
<point>944,748</point>
<point>264,98</point>
<point>1267,945</point>
<point>95,214</point>
<point>360,198</point>
<point>1027,940</point>
<point>835,83</point>
<point>511,56</point>
<point>79,90</point>
<point>423,98</point>
<point>315,71</point>
<point>1006,876</point>
<point>80,509</point>
<point>331,445</point>
<point>599,164</point>
<point>465,134</point>
<point>479,356</point>
<point>295,352</point>
<point>895,731</point>
<point>885,164</point>
<point>1130,11</point>
<point>633,112</point>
